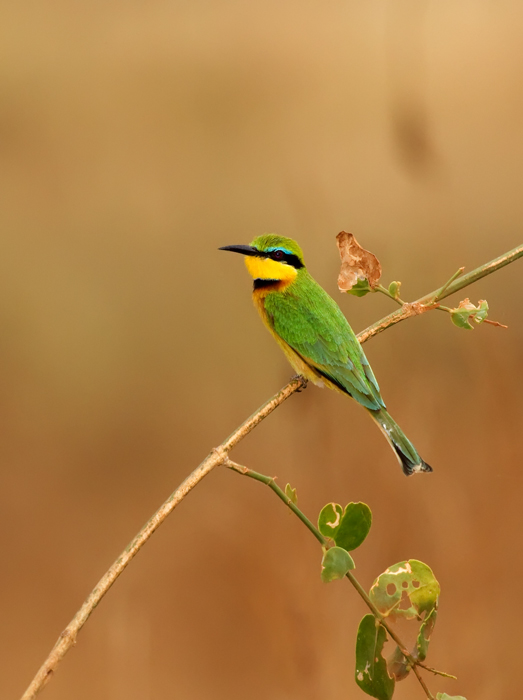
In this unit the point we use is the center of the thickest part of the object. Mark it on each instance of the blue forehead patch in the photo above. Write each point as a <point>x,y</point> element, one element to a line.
<point>284,250</point>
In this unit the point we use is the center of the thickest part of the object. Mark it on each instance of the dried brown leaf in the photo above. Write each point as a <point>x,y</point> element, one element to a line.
<point>466,304</point>
<point>356,263</point>
<point>397,665</point>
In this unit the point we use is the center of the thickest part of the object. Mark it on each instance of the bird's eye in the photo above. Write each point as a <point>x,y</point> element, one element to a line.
<point>278,255</point>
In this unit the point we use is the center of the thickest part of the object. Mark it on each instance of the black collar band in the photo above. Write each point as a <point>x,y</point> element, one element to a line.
<point>262,284</point>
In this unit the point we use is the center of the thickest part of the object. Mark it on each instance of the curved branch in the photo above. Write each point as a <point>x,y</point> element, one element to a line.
<point>217,456</point>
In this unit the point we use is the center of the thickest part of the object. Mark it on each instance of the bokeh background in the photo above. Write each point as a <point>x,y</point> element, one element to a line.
<point>136,138</point>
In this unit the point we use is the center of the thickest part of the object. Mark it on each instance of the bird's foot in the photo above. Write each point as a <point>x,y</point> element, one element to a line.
<point>304,381</point>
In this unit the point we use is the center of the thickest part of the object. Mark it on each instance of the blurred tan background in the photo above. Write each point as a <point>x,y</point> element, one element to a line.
<point>136,138</point>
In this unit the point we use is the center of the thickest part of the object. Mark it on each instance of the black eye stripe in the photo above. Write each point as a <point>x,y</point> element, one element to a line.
<point>289,258</point>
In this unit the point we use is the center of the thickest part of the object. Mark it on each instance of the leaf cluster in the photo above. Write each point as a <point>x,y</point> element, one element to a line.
<point>361,272</point>
<point>407,590</point>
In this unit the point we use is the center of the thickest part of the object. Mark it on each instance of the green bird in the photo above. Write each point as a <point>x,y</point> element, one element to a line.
<point>315,335</point>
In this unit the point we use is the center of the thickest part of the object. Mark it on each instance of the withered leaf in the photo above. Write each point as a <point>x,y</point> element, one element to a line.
<point>397,665</point>
<point>356,263</point>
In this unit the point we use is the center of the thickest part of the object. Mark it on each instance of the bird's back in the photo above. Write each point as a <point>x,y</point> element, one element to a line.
<point>308,320</point>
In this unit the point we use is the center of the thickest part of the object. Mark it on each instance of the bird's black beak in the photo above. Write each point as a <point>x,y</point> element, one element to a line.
<point>243,249</point>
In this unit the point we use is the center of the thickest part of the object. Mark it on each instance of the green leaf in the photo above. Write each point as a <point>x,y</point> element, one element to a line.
<point>354,526</point>
<point>349,527</point>
<point>371,668</point>
<point>291,494</point>
<point>397,665</point>
<point>444,696</point>
<point>482,312</point>
<point>329,519</point>
<point>461,320</point>
<point>394,289</point>
<point>465,313</point>
<point>412,578</point>
<point>425,632</point>
<point>361,288</point>
<point>336,562</point>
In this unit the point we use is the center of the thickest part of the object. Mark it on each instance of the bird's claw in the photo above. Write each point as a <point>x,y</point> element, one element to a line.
<point>304,381</point>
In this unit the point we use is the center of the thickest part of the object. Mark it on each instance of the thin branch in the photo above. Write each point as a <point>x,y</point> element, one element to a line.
<point>494,323</point>
<point>477,274</point>
<point>217,456</point>
<point>271,483</point>
<point>418,675</point>
<point>436,672</point>
<point>429,301</point>
<point>414,308</point>
<point>385,291</point>
<point>441,293</point>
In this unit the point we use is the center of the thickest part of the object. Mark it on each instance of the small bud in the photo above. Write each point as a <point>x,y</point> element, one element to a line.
<point>291,494</point>
<point>394,289</point>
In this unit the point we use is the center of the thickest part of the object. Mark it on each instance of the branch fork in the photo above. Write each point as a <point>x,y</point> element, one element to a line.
<point>219,456</point>
<point>381,619</point>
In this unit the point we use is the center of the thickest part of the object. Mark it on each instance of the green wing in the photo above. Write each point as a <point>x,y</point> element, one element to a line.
<point>308,320</point>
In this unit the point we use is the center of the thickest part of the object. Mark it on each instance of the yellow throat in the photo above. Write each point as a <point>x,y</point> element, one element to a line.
<point>267,269</point>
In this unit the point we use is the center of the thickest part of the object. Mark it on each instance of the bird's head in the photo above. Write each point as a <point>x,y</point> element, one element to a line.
<point>271,259</point>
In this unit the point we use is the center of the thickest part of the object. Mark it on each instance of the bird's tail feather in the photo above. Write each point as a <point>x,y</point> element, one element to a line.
<point>405,451</point>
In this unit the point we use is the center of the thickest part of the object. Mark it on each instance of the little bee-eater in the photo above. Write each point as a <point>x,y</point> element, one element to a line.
<point>315,335</point>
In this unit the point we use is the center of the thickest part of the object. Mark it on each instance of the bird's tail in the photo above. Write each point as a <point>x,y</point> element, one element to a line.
<point>405,451</point>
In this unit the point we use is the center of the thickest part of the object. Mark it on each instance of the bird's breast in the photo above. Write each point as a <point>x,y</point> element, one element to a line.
<point>297,362</point>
